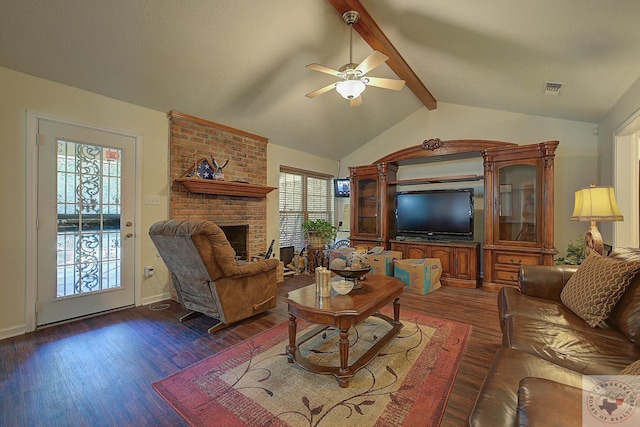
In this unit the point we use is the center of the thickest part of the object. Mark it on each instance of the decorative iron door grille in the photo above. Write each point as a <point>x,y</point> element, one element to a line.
<point>88,218</point>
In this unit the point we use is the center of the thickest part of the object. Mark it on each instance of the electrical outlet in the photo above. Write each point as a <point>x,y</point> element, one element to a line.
<point>148,271</point>
<point>152,200</point>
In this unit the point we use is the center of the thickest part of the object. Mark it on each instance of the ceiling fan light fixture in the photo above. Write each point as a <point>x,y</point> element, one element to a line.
<point>352,76</point>
<point>350,89</point>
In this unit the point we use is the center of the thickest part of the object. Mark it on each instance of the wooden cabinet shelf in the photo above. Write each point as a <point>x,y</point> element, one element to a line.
<point>224,188</point>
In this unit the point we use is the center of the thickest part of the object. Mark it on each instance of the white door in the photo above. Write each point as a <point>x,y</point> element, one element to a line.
<point>85,230</point>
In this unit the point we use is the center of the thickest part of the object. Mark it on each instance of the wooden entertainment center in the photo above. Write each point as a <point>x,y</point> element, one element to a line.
<point>518,209</point>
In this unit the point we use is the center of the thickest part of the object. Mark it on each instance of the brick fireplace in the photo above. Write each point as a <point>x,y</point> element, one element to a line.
<point>237,236</point>
<point>192,138</point>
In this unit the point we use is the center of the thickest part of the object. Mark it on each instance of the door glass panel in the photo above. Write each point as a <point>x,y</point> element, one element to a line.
<point>367,213</point>
<point>517,203</point>
<point>88,218</point>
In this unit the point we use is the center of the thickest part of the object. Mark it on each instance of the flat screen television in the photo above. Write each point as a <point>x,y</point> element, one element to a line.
<point>342,187</point>
<point>435,214</point>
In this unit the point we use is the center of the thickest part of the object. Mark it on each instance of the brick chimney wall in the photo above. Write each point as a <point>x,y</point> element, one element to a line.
<point>191,139</point>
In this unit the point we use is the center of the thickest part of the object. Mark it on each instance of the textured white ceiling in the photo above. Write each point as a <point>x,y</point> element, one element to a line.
<point>241,63</point>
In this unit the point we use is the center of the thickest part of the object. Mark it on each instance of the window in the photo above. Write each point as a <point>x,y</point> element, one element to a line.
<point>303,195</point>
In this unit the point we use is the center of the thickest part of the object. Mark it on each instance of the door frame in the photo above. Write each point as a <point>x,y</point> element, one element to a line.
<point>626,155</point>
<point>31,234</point>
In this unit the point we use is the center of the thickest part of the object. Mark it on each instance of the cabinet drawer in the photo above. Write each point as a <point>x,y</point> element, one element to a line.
<point>518,259</point>
<point>510,276</point>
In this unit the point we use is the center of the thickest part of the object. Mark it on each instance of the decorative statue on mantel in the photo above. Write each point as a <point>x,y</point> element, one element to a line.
<point>204,170</point>
<point>217,169</point>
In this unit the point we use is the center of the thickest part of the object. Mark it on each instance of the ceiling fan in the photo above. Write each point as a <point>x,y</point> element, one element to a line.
<point>352,76</point>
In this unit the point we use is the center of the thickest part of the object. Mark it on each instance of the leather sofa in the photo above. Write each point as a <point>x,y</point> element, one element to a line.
<point>536,377</point>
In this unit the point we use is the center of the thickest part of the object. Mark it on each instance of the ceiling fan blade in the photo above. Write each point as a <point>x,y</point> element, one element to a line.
<point>356,102</point>
<point>323,69</point>
<point>385,83</point>
<point>320,91</point>
<point>372,61</point>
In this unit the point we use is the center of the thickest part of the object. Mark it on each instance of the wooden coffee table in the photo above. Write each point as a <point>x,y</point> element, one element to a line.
<point>343,311</point>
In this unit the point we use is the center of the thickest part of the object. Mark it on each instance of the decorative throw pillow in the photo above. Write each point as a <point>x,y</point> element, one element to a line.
<point>595,288</point>
<point>633,369</point>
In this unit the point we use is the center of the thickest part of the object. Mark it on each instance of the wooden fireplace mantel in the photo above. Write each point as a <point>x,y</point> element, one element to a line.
<point>224,188</point>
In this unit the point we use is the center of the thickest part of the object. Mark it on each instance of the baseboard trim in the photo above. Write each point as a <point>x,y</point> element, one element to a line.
<point>13,331</point>
<point>155,298</point>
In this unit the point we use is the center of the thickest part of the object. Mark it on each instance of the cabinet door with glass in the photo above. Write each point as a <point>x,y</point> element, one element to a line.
<point>365,203</point>
<point>372,202</point>
<point>367,206</point>
<point>518,203</point>
<point>518,211</point>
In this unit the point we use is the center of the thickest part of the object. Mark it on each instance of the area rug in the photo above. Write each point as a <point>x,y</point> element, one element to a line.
<point>253,384</point>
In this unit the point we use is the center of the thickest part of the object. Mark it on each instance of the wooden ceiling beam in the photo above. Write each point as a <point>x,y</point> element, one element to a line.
<point>373,35</point>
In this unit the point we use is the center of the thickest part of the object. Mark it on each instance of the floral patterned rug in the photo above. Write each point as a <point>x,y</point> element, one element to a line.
<point>252,383</point>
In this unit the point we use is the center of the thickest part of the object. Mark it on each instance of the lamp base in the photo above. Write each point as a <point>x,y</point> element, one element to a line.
<point>593,240</point>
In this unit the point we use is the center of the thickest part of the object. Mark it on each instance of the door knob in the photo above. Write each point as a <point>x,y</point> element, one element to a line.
<point>128,223</point>
<point>129,235</point>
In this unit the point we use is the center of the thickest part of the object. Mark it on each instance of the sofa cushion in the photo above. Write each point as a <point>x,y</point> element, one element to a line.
<point>579,350</point>
<point>513,303</point>
<point>546,403</point>
<point>597,286</point>
<point>497,400</point>
<point>626,314</point>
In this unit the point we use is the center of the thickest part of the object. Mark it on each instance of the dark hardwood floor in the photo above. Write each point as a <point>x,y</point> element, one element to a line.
<point>98,371</point>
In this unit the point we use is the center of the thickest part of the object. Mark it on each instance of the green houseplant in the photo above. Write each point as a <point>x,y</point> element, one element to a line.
<point>576,253</point>
<point>319,232</point>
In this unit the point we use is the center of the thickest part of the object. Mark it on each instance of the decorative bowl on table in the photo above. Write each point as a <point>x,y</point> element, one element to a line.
<point>352,275</point>
<point>342,287</point>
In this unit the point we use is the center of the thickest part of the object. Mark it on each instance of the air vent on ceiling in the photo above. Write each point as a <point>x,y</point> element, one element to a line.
<point>552,88</point>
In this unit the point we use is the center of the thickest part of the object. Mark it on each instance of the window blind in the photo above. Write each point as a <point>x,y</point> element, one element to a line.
<point>303,195</point>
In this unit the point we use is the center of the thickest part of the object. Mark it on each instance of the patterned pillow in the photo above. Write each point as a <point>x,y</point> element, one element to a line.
<point>595,288</point>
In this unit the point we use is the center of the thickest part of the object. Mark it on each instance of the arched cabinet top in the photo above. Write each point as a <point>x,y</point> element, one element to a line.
<point>430,149</point>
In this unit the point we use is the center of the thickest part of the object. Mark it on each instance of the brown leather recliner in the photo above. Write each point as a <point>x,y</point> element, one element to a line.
<point>207,278</point>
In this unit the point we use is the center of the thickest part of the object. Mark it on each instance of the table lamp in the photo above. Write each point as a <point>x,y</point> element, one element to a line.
<point>595,204</point>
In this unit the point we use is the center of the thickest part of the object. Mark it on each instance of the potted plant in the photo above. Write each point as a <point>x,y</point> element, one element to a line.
<point>319,232</point>
<point>576,253</point>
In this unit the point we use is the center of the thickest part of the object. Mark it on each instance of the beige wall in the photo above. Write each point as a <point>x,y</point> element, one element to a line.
<point>576,157</point>
<point>20,93</point>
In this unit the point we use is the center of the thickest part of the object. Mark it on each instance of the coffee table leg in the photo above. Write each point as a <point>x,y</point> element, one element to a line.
<point>396,309</point>
<point>292,337</point>
<point>344,355</point>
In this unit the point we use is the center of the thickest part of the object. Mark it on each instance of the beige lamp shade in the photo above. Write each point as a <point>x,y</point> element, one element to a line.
<point>596,204</point>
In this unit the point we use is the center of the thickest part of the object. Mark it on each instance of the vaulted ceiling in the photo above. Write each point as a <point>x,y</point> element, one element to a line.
<point>241,63</point>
